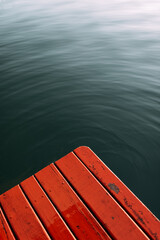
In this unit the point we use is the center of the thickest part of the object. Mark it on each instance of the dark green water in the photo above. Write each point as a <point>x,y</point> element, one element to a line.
<point>81,73</point>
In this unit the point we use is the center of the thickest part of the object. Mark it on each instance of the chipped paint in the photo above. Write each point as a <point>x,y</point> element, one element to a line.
<point>135,213</point>
<point>155,236</point>
<point>113,187</point>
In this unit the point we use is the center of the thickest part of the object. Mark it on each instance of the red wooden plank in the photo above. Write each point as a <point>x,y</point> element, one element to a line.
<point>21,216</point>
<point>106,209</point>
<point>127,199</point>
<point>45,210</point>
<point>75,213</point>
<point>5,231</point>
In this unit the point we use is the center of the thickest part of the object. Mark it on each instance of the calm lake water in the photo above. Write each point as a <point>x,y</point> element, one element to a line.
<point>81,73</point>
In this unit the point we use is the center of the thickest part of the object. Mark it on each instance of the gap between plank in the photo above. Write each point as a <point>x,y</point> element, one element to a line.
<point>54,206</point>
<point>81,199</point>
<point>113,196</point>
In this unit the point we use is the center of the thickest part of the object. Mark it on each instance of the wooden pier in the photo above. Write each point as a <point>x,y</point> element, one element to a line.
<point>77,197</point>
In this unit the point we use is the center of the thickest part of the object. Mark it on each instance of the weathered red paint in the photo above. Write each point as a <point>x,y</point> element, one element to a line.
<point>77,198</point>
<point>137,210</point>
<point>5,231</point>
<point>21,216</point>
<point>113,218</point>
<point>80,220</point>
<point>49,216</point>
